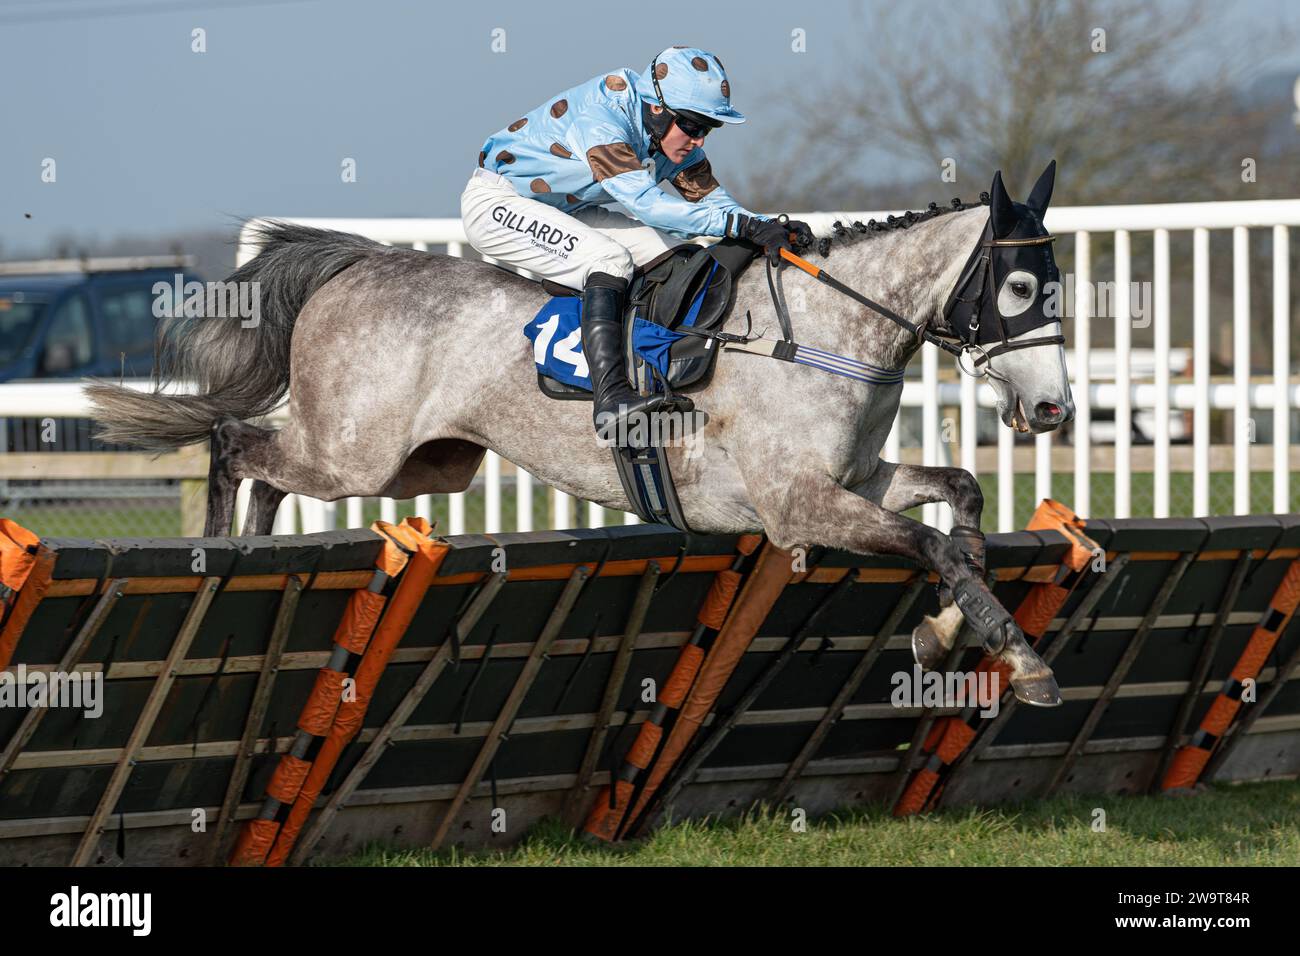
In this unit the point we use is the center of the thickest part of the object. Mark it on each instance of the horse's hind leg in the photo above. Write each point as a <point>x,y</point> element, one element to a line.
<point>232,443</point>
<point>223,486</point>
<point>263,502</point>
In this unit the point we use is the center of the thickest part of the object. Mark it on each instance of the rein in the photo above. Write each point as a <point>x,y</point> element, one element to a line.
<point>826,278</point>
<point>978,270</point>
<point>981,272</point>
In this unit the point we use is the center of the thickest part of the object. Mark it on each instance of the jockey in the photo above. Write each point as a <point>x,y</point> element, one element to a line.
<point>538,199</point>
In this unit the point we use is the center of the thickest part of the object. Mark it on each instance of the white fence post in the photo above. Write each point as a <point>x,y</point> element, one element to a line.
<point>1160,502</point>
<point>1082,374</point>
<point>970,423</point>
<point>1201,372</point>
<point>930,427</point>
<point>492,493</point>
<point>1006,479</point>
<point>1281,369</point>
<point>523,500</point>
<point>1123,380</point>
<point>1241,424</point>
<point>562,505</point>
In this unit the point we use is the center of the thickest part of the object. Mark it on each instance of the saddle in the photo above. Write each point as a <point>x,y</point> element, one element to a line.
<point>688,287</point>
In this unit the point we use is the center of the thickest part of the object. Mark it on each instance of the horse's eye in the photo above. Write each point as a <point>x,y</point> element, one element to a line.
<point>1021,289</point>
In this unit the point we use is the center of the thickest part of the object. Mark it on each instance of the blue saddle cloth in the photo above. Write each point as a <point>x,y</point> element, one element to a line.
<point>556,334</point>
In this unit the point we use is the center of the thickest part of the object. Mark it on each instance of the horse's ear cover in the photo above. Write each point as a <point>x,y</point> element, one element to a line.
<point>1001,210</point>
<point>1041,194</point>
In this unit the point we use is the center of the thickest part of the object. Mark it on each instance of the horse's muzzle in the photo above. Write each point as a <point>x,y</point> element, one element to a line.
<point>1050,415</point>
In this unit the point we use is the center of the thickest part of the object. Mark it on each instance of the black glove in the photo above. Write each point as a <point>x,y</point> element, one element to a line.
<point>772,235</point>
<point>800,234</point>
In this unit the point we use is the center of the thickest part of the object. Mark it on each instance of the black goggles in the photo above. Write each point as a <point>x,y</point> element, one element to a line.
<point>692,128</point>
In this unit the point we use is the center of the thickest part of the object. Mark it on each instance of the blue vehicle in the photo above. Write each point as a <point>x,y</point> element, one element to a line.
<point>64,320</point>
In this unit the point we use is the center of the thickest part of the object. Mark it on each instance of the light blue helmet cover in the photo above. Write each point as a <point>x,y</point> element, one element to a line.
<point>690,79</point>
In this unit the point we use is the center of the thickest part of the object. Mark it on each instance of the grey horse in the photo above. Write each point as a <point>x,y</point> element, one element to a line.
<point>402,367</point>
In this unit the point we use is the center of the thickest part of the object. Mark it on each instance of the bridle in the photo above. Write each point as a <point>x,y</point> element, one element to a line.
<point>977,337</point>
<point>986,331</point>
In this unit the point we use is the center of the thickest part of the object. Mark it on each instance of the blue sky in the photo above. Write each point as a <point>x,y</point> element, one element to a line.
<point>148,135</point>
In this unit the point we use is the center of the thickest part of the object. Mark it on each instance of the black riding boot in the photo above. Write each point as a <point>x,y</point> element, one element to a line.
<point>602,344</point>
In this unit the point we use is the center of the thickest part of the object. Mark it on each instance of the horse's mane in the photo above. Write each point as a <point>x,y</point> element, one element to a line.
<point>857,230</point>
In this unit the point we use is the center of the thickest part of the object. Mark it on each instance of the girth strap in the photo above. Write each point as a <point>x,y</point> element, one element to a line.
<point>790,351</point>
<point>815,358</point>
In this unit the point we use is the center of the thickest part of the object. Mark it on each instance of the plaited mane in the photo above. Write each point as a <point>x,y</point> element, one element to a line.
<point>858,230</point>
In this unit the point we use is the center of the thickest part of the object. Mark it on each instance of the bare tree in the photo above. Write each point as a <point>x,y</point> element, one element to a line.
<point>1137,102</point>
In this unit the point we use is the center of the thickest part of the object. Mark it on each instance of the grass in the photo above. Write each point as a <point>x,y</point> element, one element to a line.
<point>1254,824</point>
<point>1141,494</point>
<point>109,518</point>
<point>101,519</point>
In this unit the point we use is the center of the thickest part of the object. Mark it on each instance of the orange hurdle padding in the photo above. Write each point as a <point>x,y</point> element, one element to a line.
<point>918,792</point>
<point>682,677</point>
<point>359,621</point>
<point>604,820</point>
<point>771,574</point>
<point>324,705</point>
<point>26,569</point>
<point>645,745</point>
<point>18,550</point>
<point>288,777</point>
<point>1185,769</point>
<point>718,601</point>
<point>253,843</point>
<point>406,601</point>
<point>318,713</point>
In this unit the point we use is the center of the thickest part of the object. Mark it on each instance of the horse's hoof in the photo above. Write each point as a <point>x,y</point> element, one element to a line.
<point>1038,691</point>
<point>926,646</point>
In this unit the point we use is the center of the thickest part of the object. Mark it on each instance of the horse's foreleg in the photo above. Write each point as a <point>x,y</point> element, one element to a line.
<point>814,509</point>
<point>897,487</point>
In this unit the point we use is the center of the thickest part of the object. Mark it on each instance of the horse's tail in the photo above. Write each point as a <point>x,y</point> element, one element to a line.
<point>238,368</point>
